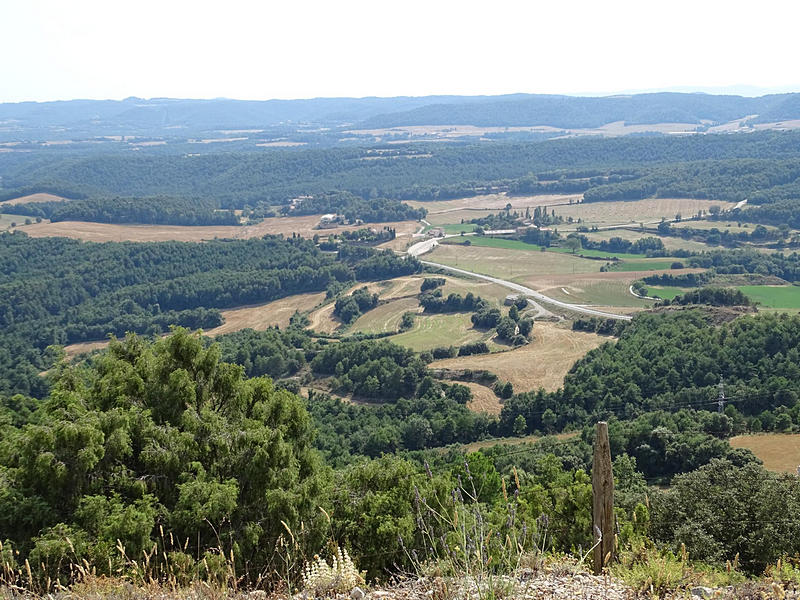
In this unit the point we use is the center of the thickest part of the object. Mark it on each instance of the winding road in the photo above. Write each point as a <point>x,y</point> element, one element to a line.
<point>426,246</point>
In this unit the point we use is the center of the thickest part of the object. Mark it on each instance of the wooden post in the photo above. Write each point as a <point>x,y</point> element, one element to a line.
<point>602,499</point>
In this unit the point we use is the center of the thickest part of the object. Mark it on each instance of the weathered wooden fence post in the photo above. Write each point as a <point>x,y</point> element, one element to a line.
<point>602,499</point>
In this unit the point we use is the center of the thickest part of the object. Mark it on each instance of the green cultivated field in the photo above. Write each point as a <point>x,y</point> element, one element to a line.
<point>647,264</point>
<point>431,331</point>
<point>385,317</point>
<point>613,292</point>
<point>768,296</point>
<point>773,296</point>
<point>6,220</point>
<point>492,242</point>
<point>667,293</point>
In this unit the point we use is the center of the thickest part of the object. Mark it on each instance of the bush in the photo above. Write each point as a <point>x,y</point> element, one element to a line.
<point>407,321</point>
<point>430,283</point>
<point>164,435</point>
<point>721,510</point>
<point>474,348</point>
<point>445,352</point>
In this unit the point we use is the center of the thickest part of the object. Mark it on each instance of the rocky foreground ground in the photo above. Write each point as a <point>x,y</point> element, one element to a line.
<point>567,586</point>
<point>555,584</point>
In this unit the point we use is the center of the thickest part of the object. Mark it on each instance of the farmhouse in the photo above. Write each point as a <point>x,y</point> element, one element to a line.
<point>329,220</point>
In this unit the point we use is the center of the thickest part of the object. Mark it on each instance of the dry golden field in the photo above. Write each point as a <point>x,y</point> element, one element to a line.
<point>729,226</point>
<point>541,364</point>
<point>323,321</point>
<point>483,398</point>
<point>513,441</point>
<point>650,210</point>
<point>494,202</point>
<point>264,316</point>
<point>514,265</point>
<point>541,282</point>
<point>779,451</point>
<point>73,350</point>
<point>601,214</point>
<point>385,317</point>
<point>104,232</point>
<point>32,199</point>
<point>255,316</point>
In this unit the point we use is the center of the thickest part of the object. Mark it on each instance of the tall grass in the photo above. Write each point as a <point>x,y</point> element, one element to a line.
<point>468,550</point>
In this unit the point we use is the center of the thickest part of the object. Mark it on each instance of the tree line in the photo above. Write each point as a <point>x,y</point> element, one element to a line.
<point>140,211</point>
<point>92,289</point>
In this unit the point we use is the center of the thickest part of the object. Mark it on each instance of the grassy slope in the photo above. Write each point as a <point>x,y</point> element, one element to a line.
<point>769,296</point>
<point>646,264</point>
<point>779,451</point>
<point>773,296</point>
<point>431,331</point>
<point>492,242</point>
<point>667,293</point>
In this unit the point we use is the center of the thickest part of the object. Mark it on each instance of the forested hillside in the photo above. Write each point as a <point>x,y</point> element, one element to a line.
<point>140,211</point>
<point>156,116</point>
<point>59,291</point>
<point>419,172</point>
<point>673,359</point>
<point>572,112</point>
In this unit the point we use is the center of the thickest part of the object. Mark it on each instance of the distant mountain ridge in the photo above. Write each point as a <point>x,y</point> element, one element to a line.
<point>514,110</point>
<point>587,112</point>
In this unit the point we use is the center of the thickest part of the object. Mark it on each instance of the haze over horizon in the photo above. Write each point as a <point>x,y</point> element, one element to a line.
<point>97,50</point>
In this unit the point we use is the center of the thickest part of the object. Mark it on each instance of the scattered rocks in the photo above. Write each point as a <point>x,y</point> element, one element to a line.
<point>357,593</point>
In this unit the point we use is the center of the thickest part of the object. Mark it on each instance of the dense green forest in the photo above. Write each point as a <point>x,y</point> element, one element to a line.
<point>145,211</point>
<point>778,238</point>
<point>758,180</point>
<point>59,291</point>
<point>712,296</point>
<point>651,165</point>
<point>746,260</point>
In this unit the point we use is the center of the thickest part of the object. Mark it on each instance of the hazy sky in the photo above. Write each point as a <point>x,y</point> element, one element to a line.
<point>259,49</point>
